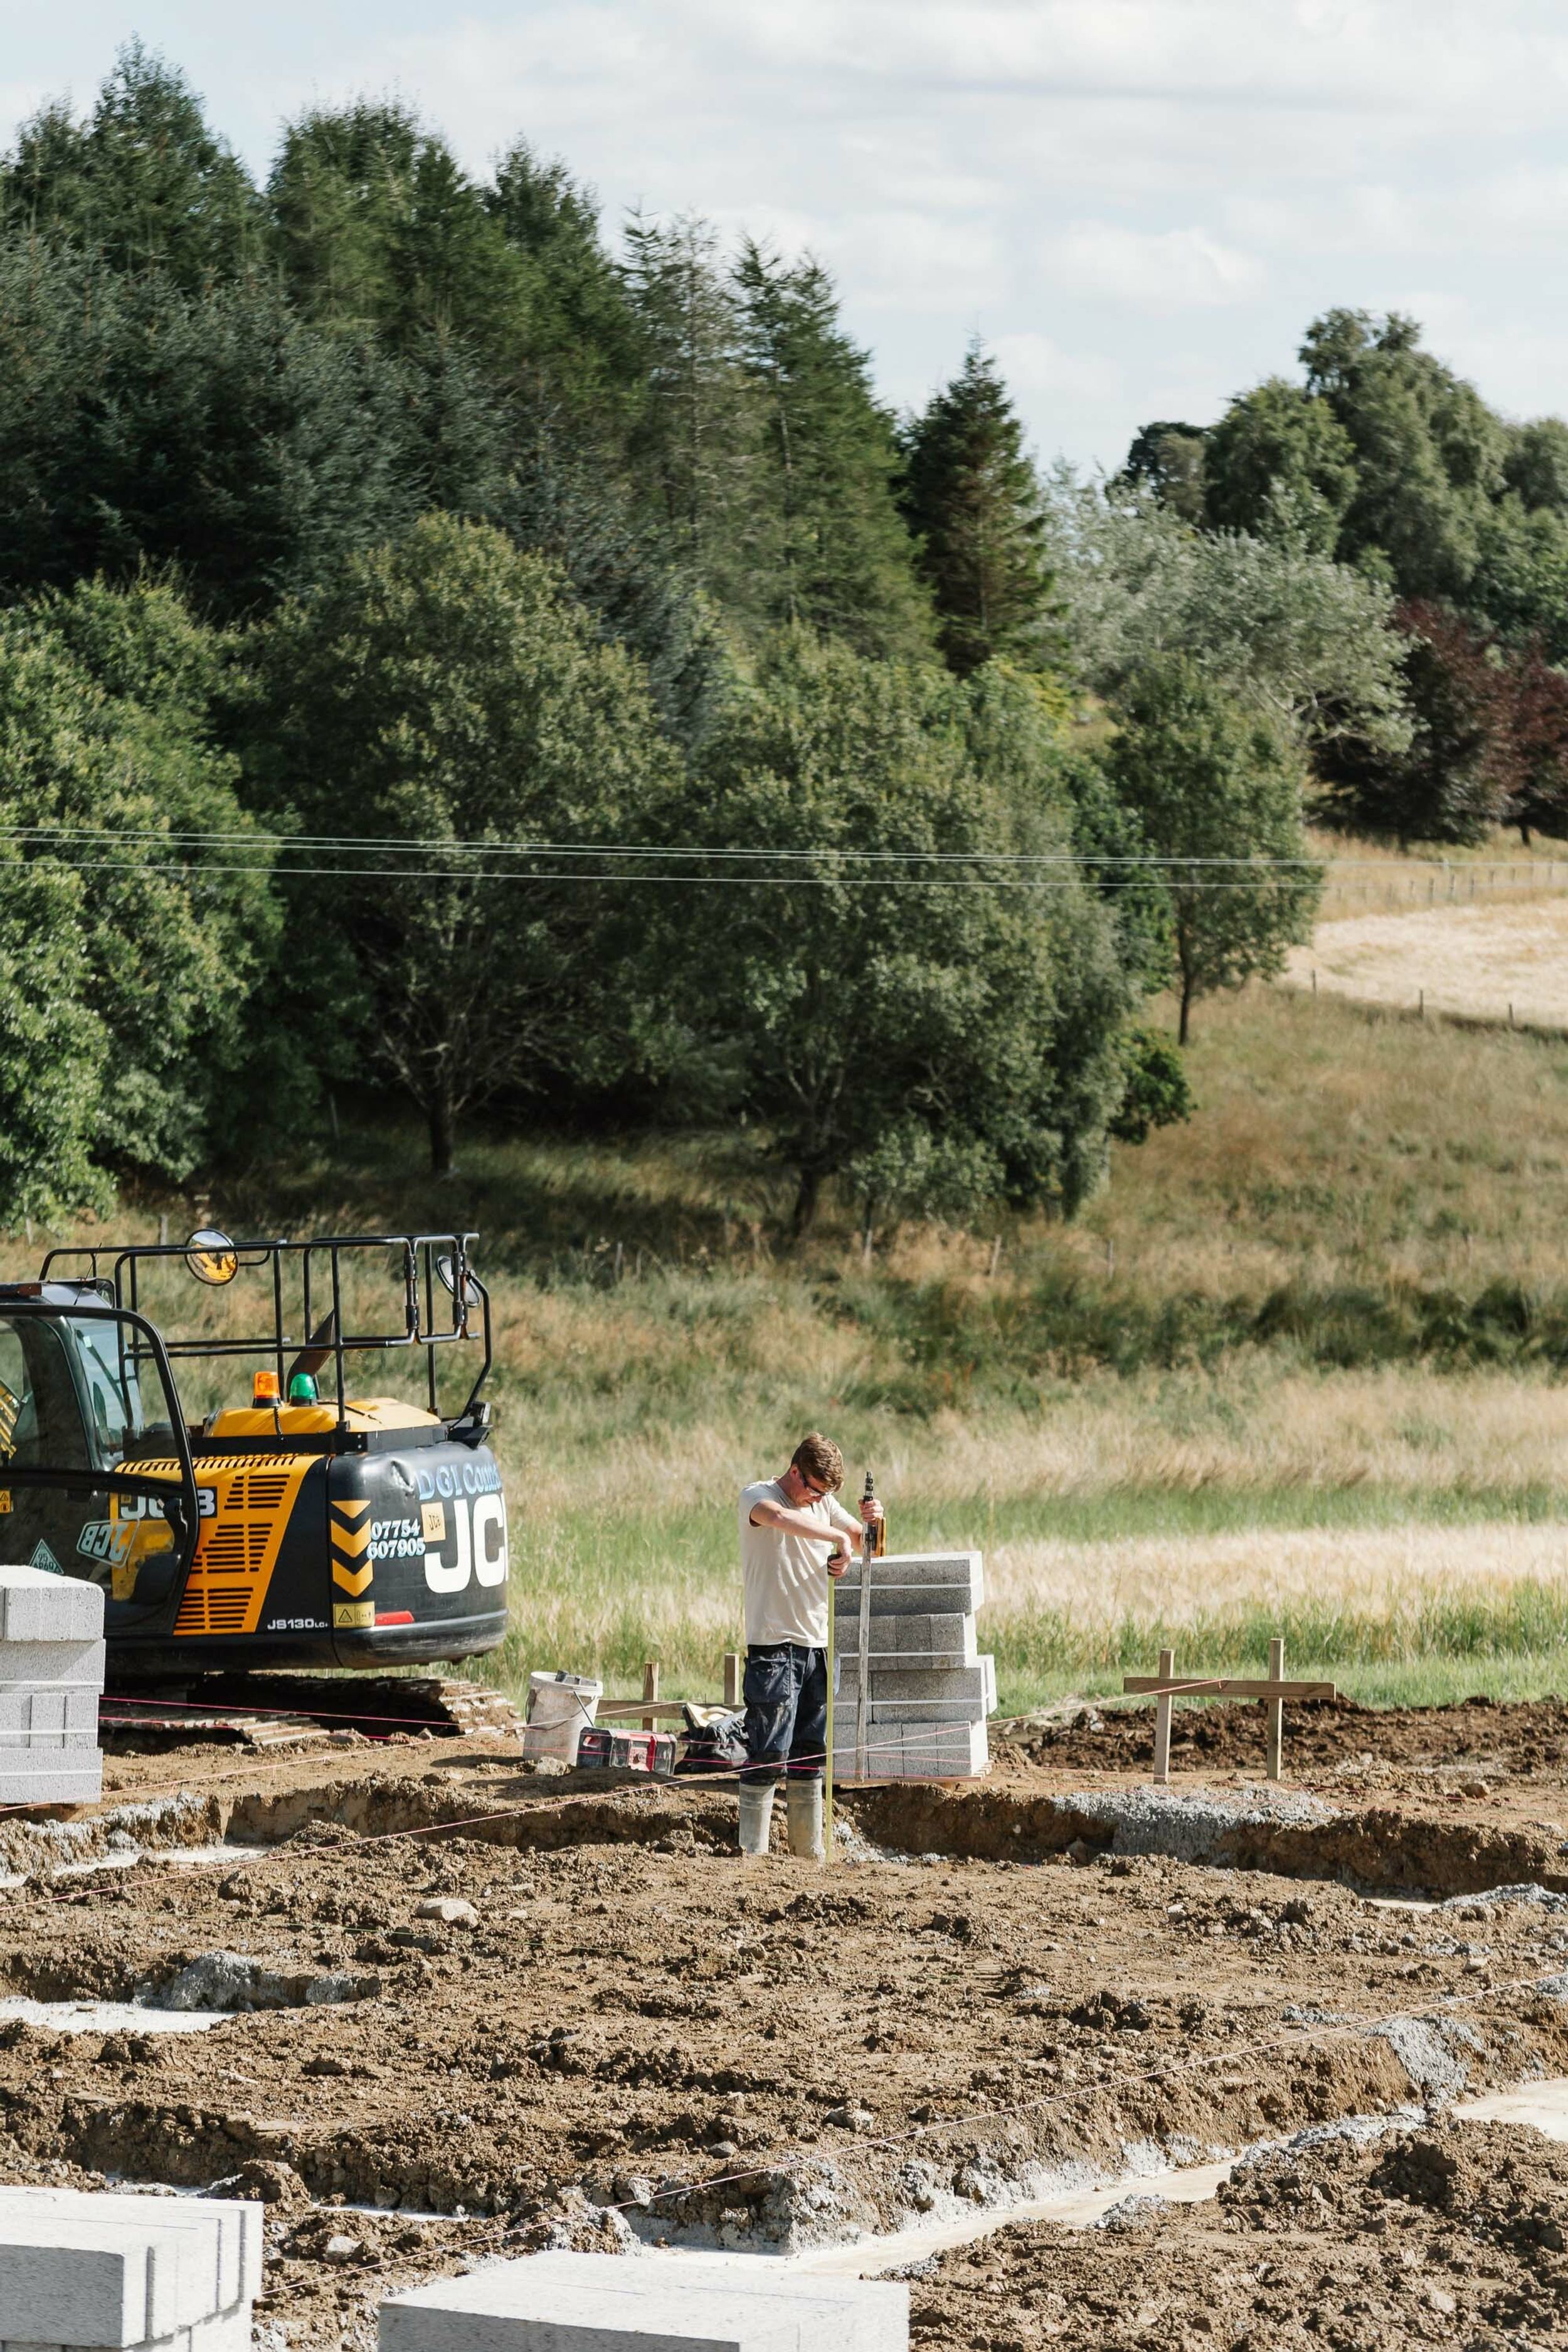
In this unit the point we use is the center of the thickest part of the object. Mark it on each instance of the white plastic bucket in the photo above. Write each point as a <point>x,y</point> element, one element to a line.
<point>560,1709</point>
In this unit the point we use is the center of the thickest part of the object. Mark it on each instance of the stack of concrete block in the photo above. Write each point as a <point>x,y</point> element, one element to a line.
<point>51,1678</point>
<point>160,2274</point>
<point>928,1689</point>
<point>626,2303</point>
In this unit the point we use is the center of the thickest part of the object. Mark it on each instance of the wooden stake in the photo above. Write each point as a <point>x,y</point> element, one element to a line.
<point>650,1691</point>
<point>1162,1720</point>
<point>1277,1712</point>
<point>732,1672</point>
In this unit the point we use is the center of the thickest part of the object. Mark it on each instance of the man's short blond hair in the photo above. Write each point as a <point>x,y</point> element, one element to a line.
<point>820,1459</point>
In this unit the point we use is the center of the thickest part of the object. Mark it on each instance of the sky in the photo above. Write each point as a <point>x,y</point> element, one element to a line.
<point>1138,204</point>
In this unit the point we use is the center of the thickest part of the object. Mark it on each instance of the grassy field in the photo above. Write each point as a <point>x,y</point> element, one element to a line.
<point>1298,1369</point>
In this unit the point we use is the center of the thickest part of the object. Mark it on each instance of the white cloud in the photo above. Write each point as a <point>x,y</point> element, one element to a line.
<point>1161,270</point>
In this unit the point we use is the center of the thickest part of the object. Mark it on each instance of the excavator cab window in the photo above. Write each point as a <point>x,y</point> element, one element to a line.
<point>71,1403</point>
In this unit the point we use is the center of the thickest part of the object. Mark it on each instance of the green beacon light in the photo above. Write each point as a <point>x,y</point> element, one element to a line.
<point>302,1389</point>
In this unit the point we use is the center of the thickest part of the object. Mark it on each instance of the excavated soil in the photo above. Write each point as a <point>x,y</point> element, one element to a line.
<point>609,2028</point>
<point>1451,2234</point>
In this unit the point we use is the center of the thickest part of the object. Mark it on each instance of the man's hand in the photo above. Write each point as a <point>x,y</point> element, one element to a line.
<point>871,1511</point>
<point>838,1564</point>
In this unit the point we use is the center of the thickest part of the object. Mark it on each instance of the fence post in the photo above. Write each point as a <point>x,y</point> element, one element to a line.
<point>650,1691</point>
<point>1167,1671</point>
<point>1277,1712</point>
<point>732,1678</point>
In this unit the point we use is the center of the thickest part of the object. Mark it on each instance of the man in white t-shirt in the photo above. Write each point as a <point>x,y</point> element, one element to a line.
<point>794,1535</point>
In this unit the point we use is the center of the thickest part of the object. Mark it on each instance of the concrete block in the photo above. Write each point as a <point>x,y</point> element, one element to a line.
<point>36,1606</point>
<point>52,1776</point>
<point>945,1641</point>
<point>915,1751</point>
<point>46,1715</point>
<point>612,2303</point>
<point>226,2331</point>
<point>916,1584</point>
<point>851,2314</point>
<point>80,2268</point>
<point>970,1688</point>
<point>69,1666</point>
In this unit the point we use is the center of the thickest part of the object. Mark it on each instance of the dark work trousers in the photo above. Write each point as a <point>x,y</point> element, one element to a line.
<point>786,1692</point>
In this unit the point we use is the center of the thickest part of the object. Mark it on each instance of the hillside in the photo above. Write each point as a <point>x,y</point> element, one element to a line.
<point>1304,1351</point>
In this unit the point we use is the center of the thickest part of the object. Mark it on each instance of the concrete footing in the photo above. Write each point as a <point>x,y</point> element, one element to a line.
<point>617,2303</point>
<point>177,2273</point>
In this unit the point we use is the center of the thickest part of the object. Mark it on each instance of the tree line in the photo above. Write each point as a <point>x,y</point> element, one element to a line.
<point>446,651</point>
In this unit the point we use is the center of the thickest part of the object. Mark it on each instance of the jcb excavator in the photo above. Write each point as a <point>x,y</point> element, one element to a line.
<point>302,1526</point>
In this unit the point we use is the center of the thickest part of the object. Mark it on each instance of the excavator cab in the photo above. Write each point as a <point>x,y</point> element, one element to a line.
<point>304,1522</point>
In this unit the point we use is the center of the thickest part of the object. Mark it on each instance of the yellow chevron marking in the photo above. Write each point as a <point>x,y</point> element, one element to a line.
<point>350,1546</point>
<point>353,1510</point>
<point>353,1580</point>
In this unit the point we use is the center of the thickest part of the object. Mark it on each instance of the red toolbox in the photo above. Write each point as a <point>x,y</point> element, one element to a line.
<point>628,1751</point>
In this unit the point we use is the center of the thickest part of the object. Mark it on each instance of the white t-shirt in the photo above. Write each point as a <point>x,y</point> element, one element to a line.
<point>785,1576</point>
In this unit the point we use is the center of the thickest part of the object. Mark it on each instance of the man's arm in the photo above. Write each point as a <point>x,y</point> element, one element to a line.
<point>769,1513</point>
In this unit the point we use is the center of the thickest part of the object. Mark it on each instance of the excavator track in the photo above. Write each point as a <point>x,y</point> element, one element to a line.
<point>279,1710</point>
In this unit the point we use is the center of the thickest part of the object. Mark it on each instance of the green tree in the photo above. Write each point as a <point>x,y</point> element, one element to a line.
<point>584,351</point>
<point>444,691</point>
<point>1217,790</point>
<point>143,185</point>
<point>375,225</point>
<point>1169,460</point>
<point>939,1036</point>
<point>1429,454</point>
<point>697,448</point>
<point>140,425</point>
<point>838,556</point>
<point>1279,449</point>
<point>1272,622</point>
<point>972,499</point>
<point>128,833</point>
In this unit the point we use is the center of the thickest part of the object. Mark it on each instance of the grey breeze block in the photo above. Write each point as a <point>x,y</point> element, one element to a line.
<point>37,1607</point>
<point>51,1776</point>
<point>971,1687</point>
<point>905,1584</point>
<point>51,1714</point>
<point>51,1665</point>
<point>914,1752</point>
<point>226,2331</point>
<point>105,2270</point>
<point>614,2302</point>
<point>914,1640</point>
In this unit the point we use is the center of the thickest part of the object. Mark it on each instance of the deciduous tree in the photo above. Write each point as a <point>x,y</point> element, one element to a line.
<point>1217,790</point>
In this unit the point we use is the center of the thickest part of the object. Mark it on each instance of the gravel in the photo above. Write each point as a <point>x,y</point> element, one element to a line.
<point>1191,1828</point>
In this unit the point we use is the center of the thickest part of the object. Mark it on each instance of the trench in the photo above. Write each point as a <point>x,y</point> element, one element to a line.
<point>1132,2135</point>
<point>1377,1849</point>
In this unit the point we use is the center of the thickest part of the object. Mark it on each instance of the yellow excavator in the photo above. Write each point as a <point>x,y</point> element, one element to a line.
<point>307,1525</point>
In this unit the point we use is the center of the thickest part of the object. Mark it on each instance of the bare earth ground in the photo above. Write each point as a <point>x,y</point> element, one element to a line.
<point>636,2032</point>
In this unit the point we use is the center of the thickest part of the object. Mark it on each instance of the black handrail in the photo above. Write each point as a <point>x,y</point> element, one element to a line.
<point>121,1282</point>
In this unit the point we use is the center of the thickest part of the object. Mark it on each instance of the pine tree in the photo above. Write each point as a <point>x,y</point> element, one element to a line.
<point>695,450</point>
<point>143,183</point>
<point>839,557</point>
<point>582,350</point>
<point>973,498</point>
<point>375,225</point>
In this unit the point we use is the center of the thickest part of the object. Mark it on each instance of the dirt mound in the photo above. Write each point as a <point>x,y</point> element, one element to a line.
<point>1230,1734</point>
<point>1451,2233</point>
